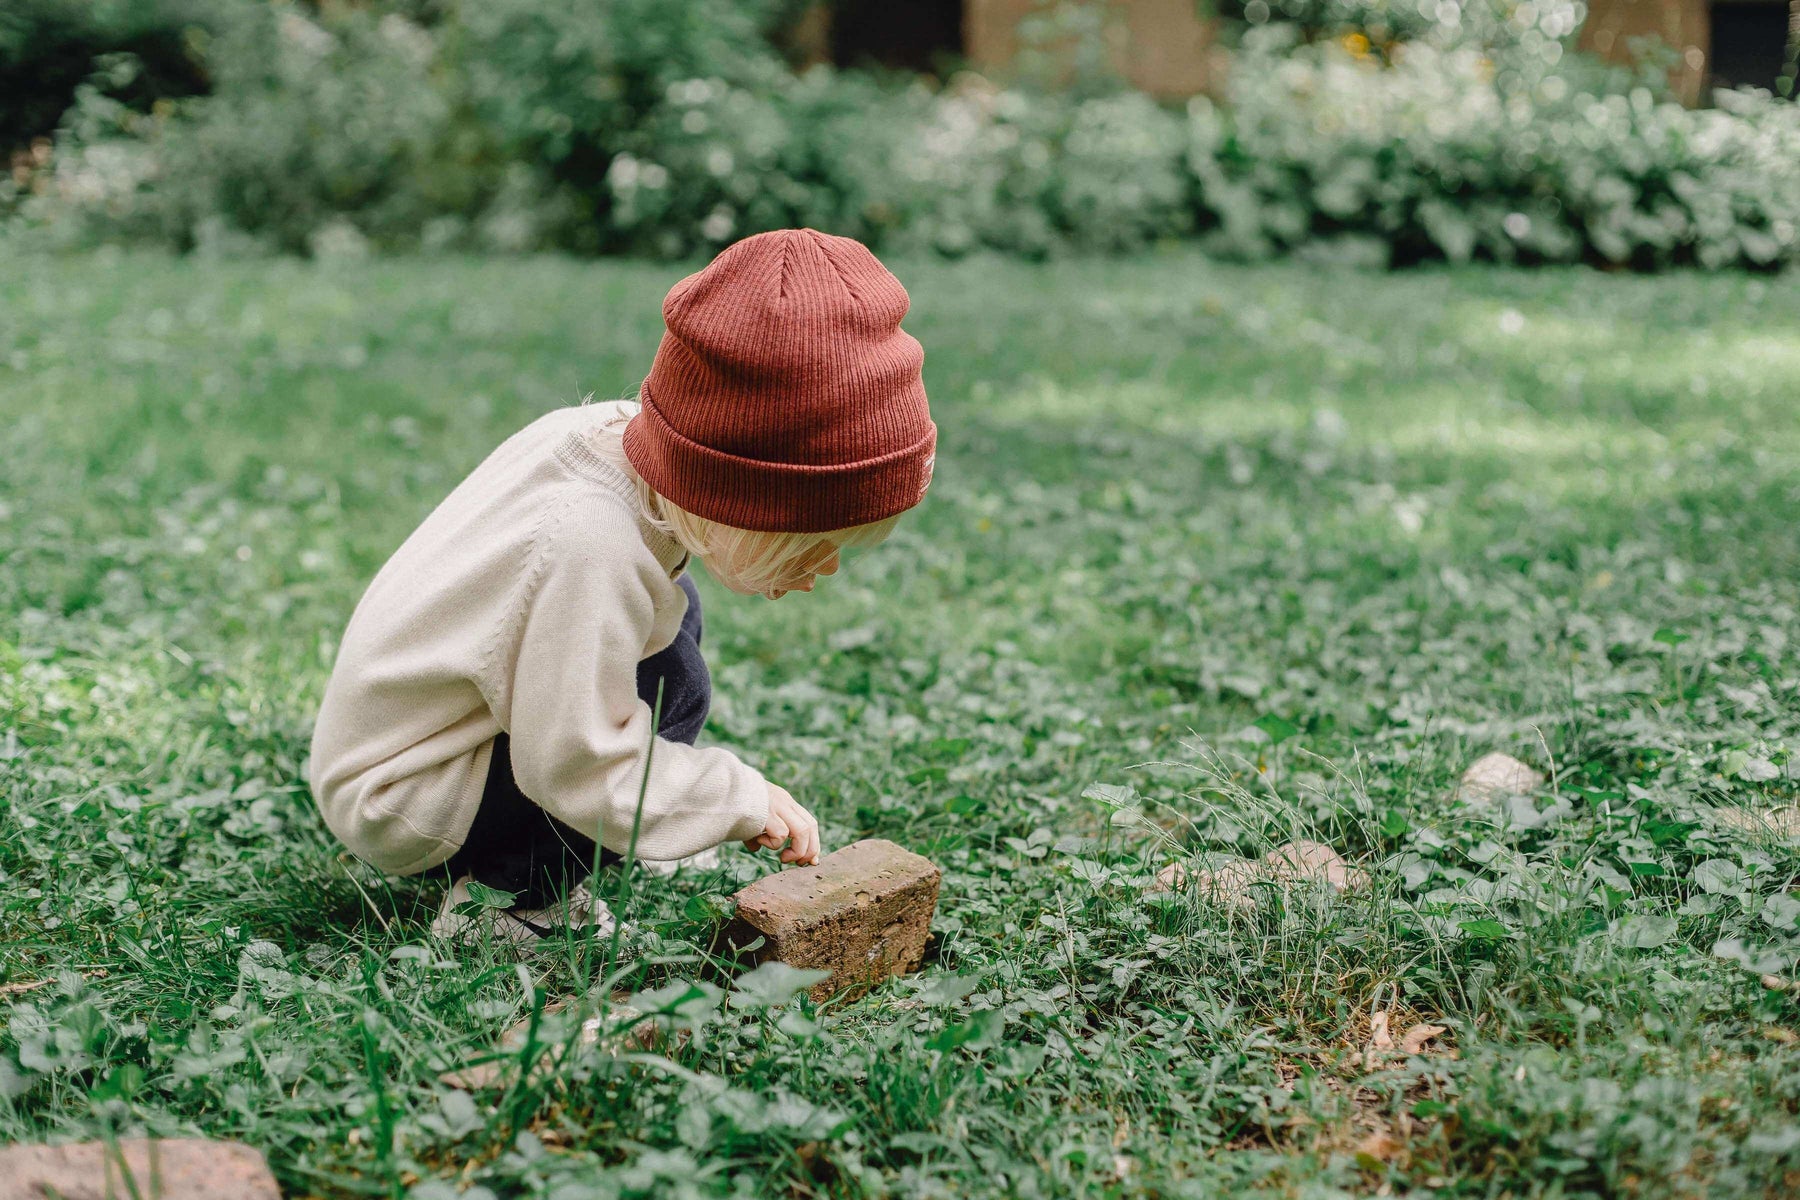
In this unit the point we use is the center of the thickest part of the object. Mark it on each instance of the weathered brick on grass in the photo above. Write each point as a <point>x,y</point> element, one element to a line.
<point>177,1169</point>
<point>862,913</point>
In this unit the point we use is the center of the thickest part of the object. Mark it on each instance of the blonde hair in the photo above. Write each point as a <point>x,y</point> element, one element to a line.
<point>758,561</point>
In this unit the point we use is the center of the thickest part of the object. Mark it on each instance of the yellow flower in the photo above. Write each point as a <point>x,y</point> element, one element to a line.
<point>1356,44</point>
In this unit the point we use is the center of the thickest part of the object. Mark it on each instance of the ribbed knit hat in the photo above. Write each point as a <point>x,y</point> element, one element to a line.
<point>785,397</point>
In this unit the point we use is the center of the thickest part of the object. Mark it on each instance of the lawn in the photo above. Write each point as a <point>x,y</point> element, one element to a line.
<point>1215,557</point>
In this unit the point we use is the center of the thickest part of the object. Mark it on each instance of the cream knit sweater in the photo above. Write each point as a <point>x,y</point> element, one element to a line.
<point>523,603</point>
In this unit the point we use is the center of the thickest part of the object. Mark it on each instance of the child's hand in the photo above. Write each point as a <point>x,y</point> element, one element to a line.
<point>788,820</point>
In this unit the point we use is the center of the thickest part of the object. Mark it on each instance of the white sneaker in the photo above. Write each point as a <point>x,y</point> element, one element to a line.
<point>580,915</point>
<point>706,860</point>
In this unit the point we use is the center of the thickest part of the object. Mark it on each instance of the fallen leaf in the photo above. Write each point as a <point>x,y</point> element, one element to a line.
<point>1379,1147</point>
<point>1415,1038</point>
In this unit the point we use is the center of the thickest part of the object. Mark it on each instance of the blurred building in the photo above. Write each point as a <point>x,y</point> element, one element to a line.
<point>1719,43</point>
<point>1167,48</point>
<point>1163,47</point>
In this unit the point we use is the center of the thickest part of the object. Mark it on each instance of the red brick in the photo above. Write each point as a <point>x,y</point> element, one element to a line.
<point>862,913</point>
<point>180,1169</point>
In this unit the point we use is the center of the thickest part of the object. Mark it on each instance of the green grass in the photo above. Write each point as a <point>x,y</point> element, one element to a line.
<point>1399,521</point>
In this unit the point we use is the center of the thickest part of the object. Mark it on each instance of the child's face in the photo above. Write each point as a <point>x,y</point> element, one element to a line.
<point>822,559</point>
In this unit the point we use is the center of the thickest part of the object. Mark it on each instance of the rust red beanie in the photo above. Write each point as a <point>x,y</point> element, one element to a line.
<point>785,397</point>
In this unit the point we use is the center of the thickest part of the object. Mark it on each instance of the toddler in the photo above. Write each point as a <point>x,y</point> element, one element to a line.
<point>489,713</point>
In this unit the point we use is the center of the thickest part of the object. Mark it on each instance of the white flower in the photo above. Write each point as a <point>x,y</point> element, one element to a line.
<point>718,224</point>
<point>623,173</point>
<point>303,35</point>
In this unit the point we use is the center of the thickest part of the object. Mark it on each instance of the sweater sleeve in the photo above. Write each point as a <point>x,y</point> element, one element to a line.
<point>580,734</point>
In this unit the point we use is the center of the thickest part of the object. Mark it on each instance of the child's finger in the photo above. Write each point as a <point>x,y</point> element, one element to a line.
<point>775,831</point>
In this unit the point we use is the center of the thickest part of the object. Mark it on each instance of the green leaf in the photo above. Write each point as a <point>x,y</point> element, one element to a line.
<point>947,989</point>
<point>1110,793</point>
<point>121,1083</point>
<point>705,907</point>
<point>1646,933</point>
<point>1279,728</point>
<point>684,998</point>
<point>1394,824</point>
<point>490,897</point>
<point>774,984</point>
<point>977,1033</point>
<point>1485,931</point>
<point>1719,876</point>
<point>1781,911</point>
<point>1668,637</point>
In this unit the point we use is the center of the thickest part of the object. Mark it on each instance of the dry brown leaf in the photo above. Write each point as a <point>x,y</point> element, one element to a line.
<point>1380,1146</point>
<point>1380,1037</point>
<point>1415,1038</point>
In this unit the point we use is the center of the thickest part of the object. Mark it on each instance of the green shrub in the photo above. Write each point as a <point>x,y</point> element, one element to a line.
<point>494,126</point>
<point>311,129</point>
<point>634,126</point>
<point>716,161</point>
<point>48,49</point>
<point>1435,157</point>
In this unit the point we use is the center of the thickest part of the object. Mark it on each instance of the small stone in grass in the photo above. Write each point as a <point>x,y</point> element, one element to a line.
<point>862,913</point>
<point>1233,883</point>
<point>1314,860</point>
<point>1781,823</point>
<point>1493,776</point>
<point>176,1169</point>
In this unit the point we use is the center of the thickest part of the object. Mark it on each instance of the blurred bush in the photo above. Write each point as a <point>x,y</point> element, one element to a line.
<point>48,49</point>
<point>1387,131</point>
<point>1435,156</point>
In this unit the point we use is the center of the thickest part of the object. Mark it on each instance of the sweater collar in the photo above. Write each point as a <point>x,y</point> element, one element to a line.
<point>578,454</point>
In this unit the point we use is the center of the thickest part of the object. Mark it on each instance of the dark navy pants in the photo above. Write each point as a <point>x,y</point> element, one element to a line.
<point>516,846</point>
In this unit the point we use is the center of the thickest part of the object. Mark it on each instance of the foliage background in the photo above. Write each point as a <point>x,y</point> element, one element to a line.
<point>1382,133</point>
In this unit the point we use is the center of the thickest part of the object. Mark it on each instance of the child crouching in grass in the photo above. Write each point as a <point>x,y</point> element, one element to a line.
<point>489,713</point>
